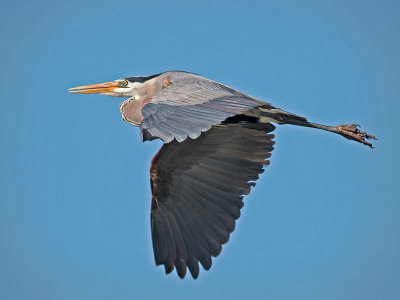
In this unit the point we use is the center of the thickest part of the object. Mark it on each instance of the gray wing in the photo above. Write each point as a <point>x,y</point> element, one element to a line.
<point>190,105</point>
<point>197,192</point>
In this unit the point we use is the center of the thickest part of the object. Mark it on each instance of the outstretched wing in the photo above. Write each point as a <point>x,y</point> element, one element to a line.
<point>189,105</point>
<point>198,187</point>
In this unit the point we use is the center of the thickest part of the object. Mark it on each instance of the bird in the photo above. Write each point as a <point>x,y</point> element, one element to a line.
<point>216,142</point>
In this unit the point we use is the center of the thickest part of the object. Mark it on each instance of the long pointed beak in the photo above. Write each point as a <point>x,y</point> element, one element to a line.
<point>95,88</point>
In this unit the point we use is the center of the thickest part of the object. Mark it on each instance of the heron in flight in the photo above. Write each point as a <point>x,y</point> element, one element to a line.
<point>216,142</point>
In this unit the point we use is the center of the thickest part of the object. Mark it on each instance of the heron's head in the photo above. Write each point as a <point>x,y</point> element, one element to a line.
<point>125,87</point>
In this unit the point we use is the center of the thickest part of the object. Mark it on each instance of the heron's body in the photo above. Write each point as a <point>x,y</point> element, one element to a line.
<point>216,143</point>
<point>162,108</point>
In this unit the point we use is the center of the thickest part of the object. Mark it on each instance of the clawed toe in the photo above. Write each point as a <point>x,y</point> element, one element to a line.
<point>352,132</point>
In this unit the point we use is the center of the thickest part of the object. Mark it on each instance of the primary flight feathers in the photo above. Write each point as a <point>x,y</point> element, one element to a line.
<point>216,142</point>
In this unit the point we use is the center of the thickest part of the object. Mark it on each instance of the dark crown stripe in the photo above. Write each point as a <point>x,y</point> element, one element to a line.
<point>141,79</point>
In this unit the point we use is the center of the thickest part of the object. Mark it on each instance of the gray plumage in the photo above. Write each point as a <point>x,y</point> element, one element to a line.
<point>187,106</point>
<point>216,142</point>
<point>200,185</point>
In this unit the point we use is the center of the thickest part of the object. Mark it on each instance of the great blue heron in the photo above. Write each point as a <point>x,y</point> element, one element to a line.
<point>216,143</point>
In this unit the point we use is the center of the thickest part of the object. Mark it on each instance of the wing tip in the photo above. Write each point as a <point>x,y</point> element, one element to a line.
<point>169,266</point>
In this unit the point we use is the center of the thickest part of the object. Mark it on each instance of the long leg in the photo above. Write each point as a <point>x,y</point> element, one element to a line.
<point>349,131</point>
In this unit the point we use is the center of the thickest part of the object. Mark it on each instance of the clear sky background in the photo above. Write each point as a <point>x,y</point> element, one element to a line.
<point>323,221</point>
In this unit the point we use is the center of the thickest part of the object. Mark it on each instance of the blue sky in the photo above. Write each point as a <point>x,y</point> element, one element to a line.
<point>323,221</point>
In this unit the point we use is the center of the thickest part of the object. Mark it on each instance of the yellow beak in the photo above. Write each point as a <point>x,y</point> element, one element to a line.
<point>95,88</point>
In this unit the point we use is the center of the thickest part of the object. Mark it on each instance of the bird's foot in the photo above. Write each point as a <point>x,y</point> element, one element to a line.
<point>352,132</point>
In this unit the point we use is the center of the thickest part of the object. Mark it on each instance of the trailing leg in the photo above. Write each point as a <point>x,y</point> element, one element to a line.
<point>349,131</point>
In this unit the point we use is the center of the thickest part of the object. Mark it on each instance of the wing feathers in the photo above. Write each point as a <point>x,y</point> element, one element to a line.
<point>198,188</point>
<point>200,102</point>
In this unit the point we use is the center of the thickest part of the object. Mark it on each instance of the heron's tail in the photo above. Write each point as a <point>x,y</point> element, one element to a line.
<point>269,113</point>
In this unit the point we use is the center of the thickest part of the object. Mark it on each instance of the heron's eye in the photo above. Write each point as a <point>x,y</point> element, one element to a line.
<point>125,82</point>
